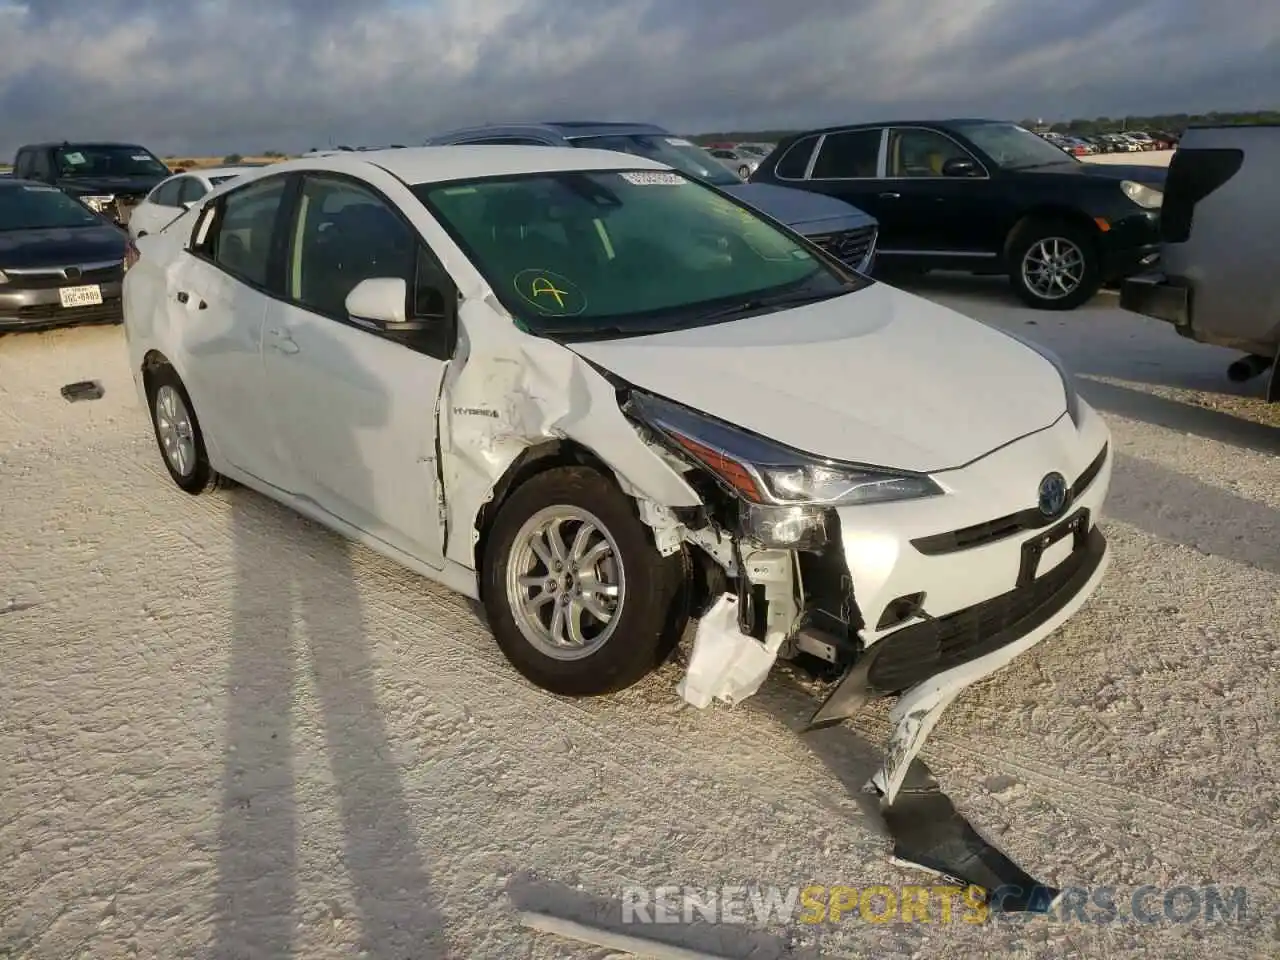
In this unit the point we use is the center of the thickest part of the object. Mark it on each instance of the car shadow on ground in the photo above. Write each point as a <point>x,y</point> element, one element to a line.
<point>298,623</point>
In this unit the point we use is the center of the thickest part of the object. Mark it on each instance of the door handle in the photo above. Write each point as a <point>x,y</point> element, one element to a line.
<point>890,196</point>
<point>184,297</point>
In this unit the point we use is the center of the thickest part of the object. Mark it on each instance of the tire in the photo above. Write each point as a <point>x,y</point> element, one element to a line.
<point>651,608</point>
<point>173,418</point>
<point>1034,240</point>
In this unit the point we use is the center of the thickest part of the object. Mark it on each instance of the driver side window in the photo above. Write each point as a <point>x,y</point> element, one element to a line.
<point>916,152</point>
<point>344,234</point>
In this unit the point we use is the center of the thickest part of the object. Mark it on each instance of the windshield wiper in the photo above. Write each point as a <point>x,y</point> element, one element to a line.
<point>752,304</point>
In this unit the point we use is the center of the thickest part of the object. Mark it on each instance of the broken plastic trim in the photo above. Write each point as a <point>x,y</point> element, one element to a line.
<point>930,834</point>
<point>82,390</point>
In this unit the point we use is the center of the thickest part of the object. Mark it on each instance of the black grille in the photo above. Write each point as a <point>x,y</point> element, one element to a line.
<point>916,653</point>
<point>848,246</point>
<point>981,534</point>
<point>110,274</point>
<point>107,311</point>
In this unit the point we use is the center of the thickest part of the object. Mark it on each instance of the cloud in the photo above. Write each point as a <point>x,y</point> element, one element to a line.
<point>215,76</point>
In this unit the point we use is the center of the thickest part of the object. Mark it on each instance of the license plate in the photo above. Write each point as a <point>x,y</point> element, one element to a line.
<point>1052,548</point>
<point>86,296</point>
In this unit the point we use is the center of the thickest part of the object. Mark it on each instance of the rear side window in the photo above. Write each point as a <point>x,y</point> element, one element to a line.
<point>192,189</point>
<point>1193,175</point>
<point>240,241</point>
<point>166,195</point>
<point>854,154</point>
<point>795,162</point>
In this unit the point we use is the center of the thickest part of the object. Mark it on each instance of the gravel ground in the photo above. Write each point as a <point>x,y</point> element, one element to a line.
<point>225,732</point>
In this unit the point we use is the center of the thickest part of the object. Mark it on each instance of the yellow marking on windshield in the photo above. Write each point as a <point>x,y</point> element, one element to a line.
<point>542,285</point>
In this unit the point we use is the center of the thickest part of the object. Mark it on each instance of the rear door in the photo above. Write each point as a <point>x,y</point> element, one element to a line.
<point>218,296</point>
<point>1218,226</point>
<point>847,165</point>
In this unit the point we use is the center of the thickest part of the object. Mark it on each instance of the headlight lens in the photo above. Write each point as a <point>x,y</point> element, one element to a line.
<point>98,202</point>
<point>785,493</point>
<point>1144,196</point>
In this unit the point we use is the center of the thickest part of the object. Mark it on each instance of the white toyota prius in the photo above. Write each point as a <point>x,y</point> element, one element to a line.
<point>606,400</point>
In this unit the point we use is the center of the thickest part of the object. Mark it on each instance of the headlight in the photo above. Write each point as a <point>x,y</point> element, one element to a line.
<point>1068,380</point>
<point>98,202</point>
<point>1148,197</point>
<point>785,493</point>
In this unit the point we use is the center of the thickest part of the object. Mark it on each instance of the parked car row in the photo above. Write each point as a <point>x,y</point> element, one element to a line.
<point>1080,145</point>
<point>64,213</point>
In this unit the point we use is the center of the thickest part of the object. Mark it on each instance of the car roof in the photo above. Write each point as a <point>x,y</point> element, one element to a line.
<point>83,143</point>
<point>941,124</point>
<point>567,129</point>
<point>416,165</point>
<point>229,171</point>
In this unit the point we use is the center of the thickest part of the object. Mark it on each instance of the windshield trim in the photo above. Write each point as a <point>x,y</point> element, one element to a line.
<point>601,328</point>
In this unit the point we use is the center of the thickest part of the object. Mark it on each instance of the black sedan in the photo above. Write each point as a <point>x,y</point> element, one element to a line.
<point>984,196</point>
<point>60,262</point>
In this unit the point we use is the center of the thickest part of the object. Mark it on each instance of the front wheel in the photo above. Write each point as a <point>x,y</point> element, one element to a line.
<point>1054,266</point>
<point>577,596</point>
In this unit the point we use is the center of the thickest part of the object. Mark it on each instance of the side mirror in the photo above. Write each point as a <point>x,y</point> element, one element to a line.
<point>380,302</point>
<point>960,167</point>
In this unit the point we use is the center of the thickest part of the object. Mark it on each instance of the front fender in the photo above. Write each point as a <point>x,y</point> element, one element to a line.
<point>505,392</point>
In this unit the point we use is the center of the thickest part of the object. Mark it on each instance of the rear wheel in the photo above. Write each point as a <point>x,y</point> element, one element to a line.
<point>577,596</point>
<point>178,432</point>
<point>1054,265</point>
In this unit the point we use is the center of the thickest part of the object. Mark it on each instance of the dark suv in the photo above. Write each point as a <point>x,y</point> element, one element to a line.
<point>984,196</point>
<point>111,178</point>
<point>842,230</point>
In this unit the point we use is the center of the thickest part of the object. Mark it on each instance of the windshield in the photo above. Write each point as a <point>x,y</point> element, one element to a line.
<point>619,253</point>
<point>108,161</point>
<point>37,207</point>
<point>1012,147</point>
<point>683,155</point>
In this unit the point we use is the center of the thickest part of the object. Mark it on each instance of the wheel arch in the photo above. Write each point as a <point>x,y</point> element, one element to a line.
<point>152,361</point>
<point>1049,213</point>
<point>529,463</point>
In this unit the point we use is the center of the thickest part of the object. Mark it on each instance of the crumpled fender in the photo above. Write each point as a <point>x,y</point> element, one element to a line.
<point>505,392</point>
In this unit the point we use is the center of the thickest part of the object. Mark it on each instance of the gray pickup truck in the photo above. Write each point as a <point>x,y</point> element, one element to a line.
<point>1219,275</point>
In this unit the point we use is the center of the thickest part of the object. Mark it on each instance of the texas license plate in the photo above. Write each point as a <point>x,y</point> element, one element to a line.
<point>86,296</point>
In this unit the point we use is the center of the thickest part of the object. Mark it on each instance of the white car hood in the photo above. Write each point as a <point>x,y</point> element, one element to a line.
<point>878,377</point>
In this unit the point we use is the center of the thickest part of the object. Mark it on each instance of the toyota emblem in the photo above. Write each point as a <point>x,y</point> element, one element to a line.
<point>1053,494</point>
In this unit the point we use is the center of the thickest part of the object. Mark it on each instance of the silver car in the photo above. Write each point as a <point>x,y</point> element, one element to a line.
<point>739,161</point>
<point>1217,281</point>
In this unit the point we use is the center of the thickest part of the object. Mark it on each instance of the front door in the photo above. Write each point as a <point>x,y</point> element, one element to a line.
<point>355,407</point>
<point>935,214</point>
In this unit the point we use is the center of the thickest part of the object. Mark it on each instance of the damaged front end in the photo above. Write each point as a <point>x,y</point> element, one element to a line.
<point>777,584</point>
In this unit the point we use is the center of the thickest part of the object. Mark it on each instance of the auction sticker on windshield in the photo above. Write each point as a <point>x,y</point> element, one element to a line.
<point>552,293</point>
<point>678,142</point>
<point>86,296</point>
<point>74,158</point>
<point>650,178</point>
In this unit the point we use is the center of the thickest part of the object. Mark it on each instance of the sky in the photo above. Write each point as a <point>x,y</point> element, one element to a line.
<point>210,77</point>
